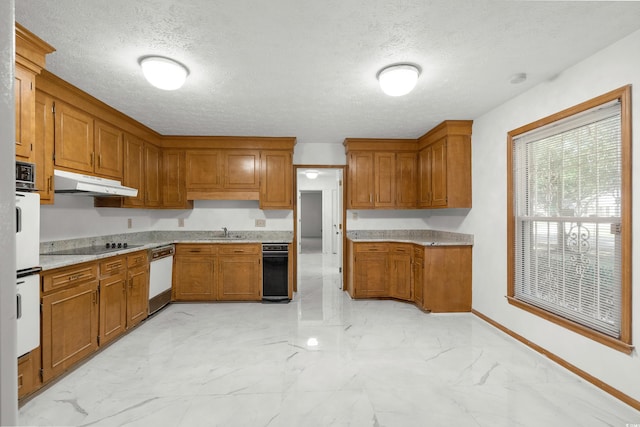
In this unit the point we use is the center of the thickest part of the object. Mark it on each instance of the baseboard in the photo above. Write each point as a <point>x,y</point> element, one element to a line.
<point>560,361</point>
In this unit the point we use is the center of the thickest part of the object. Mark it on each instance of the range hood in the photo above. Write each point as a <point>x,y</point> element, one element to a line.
<point>85,185</point>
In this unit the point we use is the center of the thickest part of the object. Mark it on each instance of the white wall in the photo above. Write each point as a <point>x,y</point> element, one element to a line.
<point>609,69</point>
<point>319,154</point>
<point>8,371</point>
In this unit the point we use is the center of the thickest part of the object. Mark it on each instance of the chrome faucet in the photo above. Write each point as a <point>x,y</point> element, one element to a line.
<point>226,232</point>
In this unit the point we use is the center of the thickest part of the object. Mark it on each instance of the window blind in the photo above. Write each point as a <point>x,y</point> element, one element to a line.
<point>567,205</point>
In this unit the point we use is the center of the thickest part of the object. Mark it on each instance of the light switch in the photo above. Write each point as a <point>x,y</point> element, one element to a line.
<point>261,222</point>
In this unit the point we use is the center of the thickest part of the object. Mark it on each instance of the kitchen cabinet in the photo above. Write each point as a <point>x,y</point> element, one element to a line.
<point>194,273</point>
<point>371,270</point>
<point>85,145</point>
<point>134,170</point>
<point>222,174</point>
<point>447,279</point>
<point>445,166</point>
<point>239,272</point>
<point>242,169</point>
<point>24,96</point>
<point>384,179</point>
<point>417,275</point>
<point>43,153</point>
<point>29,372</point>
<point>30,54</point>
<point>137,288</point>
<point>276,187</point>
<point>70,315</point>
<point>141,170</point>
<point>400,270</point>
<point>152,176</point>
<point>174,189</point>
<point>360,187</point>
<point>74,141</point>
<point>113,299</point>
<point>108,150</point>
<point>383,176</point>
<point>435,278</point>
<point>406,180</point>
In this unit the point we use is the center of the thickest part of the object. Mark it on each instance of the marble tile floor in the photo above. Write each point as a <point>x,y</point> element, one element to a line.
<point>321,360</point>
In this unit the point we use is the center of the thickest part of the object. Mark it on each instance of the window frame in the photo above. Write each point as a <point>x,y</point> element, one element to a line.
<point>624,343</point>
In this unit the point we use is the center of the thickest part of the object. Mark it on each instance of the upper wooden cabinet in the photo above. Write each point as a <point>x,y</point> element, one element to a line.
<point>204,170</point>
<point>242,169</point>
<point>174,188</point>
<point>30,60</point>
<point>25,112</point>
<point>87,145</point>
<point>152,176</point>
<point>382,173</point>
<point>445,166</point>
<point>134,171</point>
<point>433,171</point>
<point>43,153</point>
<point>276,187</point>
<point>108,150</point>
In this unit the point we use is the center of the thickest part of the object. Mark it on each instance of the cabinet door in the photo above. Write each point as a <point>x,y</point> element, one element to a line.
<point>276,187</point>
<point>24,103</point>
<point>447,276</point>
<point>239,278</point>
<point>193,278</point>
<point>400,272</point>
<point>113,307</point>
<point>152,183</point>
<point>108,151</point>
<point>406,180</point>
<point>134,171</point>
<point>385,180</point>
<point>439,173</point>
<point>242,170</point>
<point>204,170</point>
<point>174,191</point>
<point>425,159</point>
<point>137,295</point>
<point>417,276</point>
<point>360,186</point>
<point>69,327</point>
<point>73,139</point>
<point>371,275</point>
<point>43,150</point>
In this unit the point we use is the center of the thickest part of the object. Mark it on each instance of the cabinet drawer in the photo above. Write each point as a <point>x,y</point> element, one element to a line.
<point>112,265</point>
<point>234,249</point>
<point>371,247</point>
<point>66,276</point>
<point>400,249</point>
<point>137,259</point>
<point>193,249</point>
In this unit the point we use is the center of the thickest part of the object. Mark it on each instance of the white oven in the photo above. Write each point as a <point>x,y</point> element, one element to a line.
<point>27,259</point>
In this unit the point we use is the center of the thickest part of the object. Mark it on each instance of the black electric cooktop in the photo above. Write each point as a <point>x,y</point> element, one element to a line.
<point>94,250</point>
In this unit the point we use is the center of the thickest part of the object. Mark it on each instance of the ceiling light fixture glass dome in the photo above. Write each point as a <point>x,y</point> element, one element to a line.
<point>164,73</point>
<point>312,174</point>
<point>398,79</point>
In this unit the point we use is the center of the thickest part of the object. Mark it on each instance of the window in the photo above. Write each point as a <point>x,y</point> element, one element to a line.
<point>569,213</point>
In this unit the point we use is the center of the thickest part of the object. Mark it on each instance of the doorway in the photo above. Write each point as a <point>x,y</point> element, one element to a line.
<point>319,217</point>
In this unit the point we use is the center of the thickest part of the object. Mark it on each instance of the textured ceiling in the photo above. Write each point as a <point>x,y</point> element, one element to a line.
<point>307,68</point>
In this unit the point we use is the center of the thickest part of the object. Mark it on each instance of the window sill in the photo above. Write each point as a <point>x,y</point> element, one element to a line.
<point>614,343</point>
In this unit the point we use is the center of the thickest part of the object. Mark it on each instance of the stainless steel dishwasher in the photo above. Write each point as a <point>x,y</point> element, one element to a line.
<point>160,276</point>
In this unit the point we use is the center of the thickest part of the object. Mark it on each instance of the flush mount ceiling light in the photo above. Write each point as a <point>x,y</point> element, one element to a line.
<point>164,73</point>
<point>399,79</point>
<point>312,174</point>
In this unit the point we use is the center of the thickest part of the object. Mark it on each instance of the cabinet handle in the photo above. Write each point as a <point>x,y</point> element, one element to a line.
<point>92,155</point>
<point>238,251</point>
<point>195,251</point>
<point>370,198</point>
<point>99,160</point>
<point>50,184</point>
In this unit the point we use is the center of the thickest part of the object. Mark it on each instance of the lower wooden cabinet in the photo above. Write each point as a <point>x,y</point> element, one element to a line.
<point>69,327</point>
<point>137,288</point>
<point>435,278</point>
<point>29,372</point>
<point>113,306</point>
<point>217,272</point>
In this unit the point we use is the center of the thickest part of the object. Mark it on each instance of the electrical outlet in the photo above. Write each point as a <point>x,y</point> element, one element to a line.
<point>354,216</point>
<point>261,222</point>
<point>129,223</point>
<point>180,222</point>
